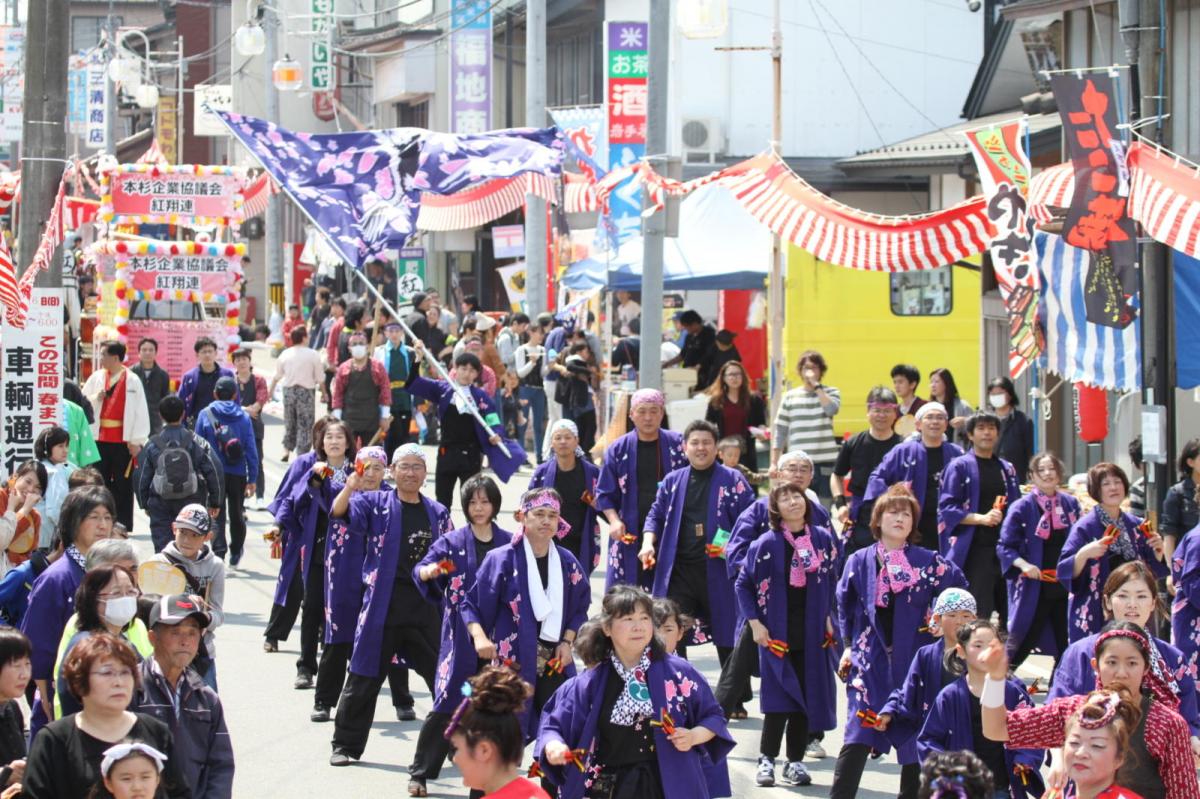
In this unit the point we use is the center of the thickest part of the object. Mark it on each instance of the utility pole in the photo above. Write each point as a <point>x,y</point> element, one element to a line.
<point>535,117</point>
<point>273,233</point>
<point>654,227</point>
<point>43,134</point>
<point>776,294</point>
<point>112,95</point>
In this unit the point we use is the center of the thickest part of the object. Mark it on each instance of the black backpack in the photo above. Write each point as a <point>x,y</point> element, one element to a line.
<point>229,444</point>
<point>174,472</point>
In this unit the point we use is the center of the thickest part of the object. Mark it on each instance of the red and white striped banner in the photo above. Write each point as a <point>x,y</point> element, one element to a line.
<point>153,155</point>
<point>579,194</point>
<point>481,204</point>
<point>10,297</point>
<point>1164,197</point>
<point>257,195</point>
<point>78,211</point>
<point>1051,188</point>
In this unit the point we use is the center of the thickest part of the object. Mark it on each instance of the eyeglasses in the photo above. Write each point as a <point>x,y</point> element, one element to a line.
<point>112,674</point>
<point>409,468</point>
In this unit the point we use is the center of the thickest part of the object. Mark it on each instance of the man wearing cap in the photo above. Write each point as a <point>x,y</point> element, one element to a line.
<point>122,424</point>
<point>398,528</point>
<point>633,467</point>
<point>227,429</point>
<point>918,462</point>
<point>174,694</point>
<point>397,361</point>
<point>362,395</point>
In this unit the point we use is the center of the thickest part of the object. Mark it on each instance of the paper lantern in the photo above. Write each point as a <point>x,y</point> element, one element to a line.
<point>1091,413</point>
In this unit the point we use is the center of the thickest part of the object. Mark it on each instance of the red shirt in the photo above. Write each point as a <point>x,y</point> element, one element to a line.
<point>520,788</point>
<point>112,411</point>
<point>733,419</point>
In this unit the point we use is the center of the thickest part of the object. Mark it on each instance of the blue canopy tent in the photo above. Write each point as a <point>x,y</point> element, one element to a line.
<point>719,246</point>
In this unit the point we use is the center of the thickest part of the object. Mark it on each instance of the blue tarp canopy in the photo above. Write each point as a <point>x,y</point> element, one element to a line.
<point>720,246</point>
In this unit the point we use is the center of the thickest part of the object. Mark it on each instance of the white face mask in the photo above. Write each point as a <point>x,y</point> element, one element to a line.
<point>358,351</point>
<point>997,401</point>
<point>118,612</point>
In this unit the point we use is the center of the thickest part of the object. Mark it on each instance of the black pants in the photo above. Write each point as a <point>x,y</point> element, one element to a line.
<point>689,588</point>
<point>331,677</point>
<point>986,582</point>
<point>797,735</point>
<point>432,748</point>
<point>356,708</point>
<point>849,769</point>
<point>397,434</point>
<point>1051,612</point>
<point>455,465</point>
<point>733,687</point>
<point>586,422</point>
<point>363,435</point>
<point>283,617</point>
<point>118,477</point>
<point>260,485</point>
<point>305,598</point>
<point>235,513</point>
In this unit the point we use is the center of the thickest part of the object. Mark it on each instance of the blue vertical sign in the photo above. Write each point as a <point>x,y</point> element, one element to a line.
<point>625,91</point>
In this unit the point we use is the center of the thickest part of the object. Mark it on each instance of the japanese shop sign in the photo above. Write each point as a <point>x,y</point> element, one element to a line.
<point>626,69</point>
<point>33,376</point>
<point>13,88</point>
<point>320,63</point>
<point>142,193</point>
<point>208,274</point>
<point>410,272</point>
<point>97,108</point>
<point>470,66</point>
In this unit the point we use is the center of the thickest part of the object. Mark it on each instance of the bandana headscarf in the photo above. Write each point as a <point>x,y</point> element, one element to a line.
<point>544,499</point>
<point>647,396</point>
<point>805,559</point>
<point>371,454</point>
<point>954,599</point>
<point>1054,516</point>
<point>1157,679</point>
<point>565,424</point>
<point>1122,545</point>
<point>928,408</point>
<point>121,751</point>
<point>895,575</point>
<point>405,450</point>
<point>634,702</point>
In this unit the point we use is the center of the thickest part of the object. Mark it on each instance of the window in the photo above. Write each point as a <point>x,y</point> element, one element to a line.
<point>925,293</point>
<point>412,115</point>
<point>86,31</point>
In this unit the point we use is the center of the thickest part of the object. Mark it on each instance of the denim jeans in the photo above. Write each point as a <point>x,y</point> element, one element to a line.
<point>535,410</point>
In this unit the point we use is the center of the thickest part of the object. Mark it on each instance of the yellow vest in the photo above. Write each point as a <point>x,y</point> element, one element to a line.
<point>135,634</point>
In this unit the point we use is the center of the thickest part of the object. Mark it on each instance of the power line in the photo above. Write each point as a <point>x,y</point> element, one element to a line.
<point>426,43</point>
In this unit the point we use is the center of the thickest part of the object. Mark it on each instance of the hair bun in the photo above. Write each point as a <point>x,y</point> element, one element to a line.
<point>499,690</point>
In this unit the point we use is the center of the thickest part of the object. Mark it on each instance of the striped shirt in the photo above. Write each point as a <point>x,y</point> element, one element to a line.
<point>802,422</point>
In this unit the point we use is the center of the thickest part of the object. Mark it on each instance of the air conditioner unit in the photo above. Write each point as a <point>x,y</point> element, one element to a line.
<point>703,141</point>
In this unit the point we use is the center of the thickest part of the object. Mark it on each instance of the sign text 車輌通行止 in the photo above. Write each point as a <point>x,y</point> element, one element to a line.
<point>33,376</point>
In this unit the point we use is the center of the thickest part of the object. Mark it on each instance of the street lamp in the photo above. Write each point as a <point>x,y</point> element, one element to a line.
<point>286,74</point>
<point>126,69</point>
<point>250,40</point>
<point>147,96</point>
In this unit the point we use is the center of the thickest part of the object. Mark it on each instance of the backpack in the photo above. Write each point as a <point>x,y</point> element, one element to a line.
<point>174,473</point>
<point>228,443</point>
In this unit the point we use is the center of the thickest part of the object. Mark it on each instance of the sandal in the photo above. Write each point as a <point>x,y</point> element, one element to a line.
<point>417,788</point>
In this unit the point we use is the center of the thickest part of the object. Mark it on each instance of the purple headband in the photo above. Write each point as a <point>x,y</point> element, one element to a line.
<point>545,499</point>
<point>647,396</point>
<point>372,453</point>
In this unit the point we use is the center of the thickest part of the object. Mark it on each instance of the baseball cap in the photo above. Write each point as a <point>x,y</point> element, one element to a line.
<point>226,388</point>
<point>174,609</point>
<point>195,517</point>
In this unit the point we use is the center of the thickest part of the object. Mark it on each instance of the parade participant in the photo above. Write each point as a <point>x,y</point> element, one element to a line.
<point>1097,741</point>
<point>529,364</point>
<point>51,448</point>
<point>1099,542</point>
<point>397,362</point>
<point>172,692</point>
<point>977,488</point>
<point>1160,764</point>
<point>337,563</point>
<point>883,600</point>
<point>155,380</point>
<point>445,576</point>
<point>204,572</point>
<point>1179,510</point>
<point>905,379</point>
<point>198,383</point>
<point>686,532</point>
<point>956,775</point>
<point>918,464</point>
<point>943,389</point>
<point>14,679</point>
<point>303,518</point>
<point>1185,610</point>
<point>129,771</point>
<point>487,737</point>
<point>670,622</point>
<point>575,478</point>
<point>1031,540</point>
<point>87,517</point>
<point>908,706</point>
<point>298,370</point>
<point>337,350</point>
<point>737,410</point>
<point>1131,595</point>
<point>20,522</point>
<point>954,721</point>
<point>177,468</point>
<point>858,458</point>
<point>399,528</point>
<point>65,758</point>
<point>252,391</point>
<point>633,467</point>
<point>785,590</point>
<point>122,424</point>
<point>228,431</point>
<point>529,598</point>
<point>464,441</point>
<point>362,396</point>
<point>804,419</point>
<point>1016,429</point>
<point>640,723</point>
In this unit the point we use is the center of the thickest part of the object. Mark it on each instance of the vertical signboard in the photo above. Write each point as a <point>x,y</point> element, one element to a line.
<point>410,272</point>
<point>77,96</point>
<point>33,376</point>
<point>320,63</point>
<point>13,87</point>
<point>470,66</point>
<point>166,129</point>
<point>625,91</point>
<point>97,109</point>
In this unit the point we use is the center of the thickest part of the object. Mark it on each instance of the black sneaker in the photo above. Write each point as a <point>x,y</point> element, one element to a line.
<point>406,714</point>
<point>304,679</point>
<point>796,774</point>
<point>340,758</point>
<point>319,713</point>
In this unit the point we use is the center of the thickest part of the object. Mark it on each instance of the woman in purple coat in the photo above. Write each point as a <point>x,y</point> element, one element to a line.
<point>444,577</point>
<point>641,723</point>
<point>529,599</point>
<point>1099,542</point>
<point>785,589</point>
<point>574,477</point>
<point>1031,540</point>
<point>884,600</point>
<point>1185,611</point>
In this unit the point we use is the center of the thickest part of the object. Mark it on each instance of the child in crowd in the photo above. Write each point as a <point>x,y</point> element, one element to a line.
<point>729,450</point>
<point>129,770</point>
<point>671,623</point>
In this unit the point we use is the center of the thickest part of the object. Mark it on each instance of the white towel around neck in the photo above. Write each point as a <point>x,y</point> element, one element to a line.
<point>547,603</point>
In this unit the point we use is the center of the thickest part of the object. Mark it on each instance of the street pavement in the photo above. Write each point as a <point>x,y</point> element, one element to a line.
<point>280,753</point>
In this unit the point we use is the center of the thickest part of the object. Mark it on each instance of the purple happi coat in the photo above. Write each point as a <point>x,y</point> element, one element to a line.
<point>1085,603</point>
<point>762,593</point>
<point>296,514</point>
<point>1019,539</point>
<point>905,463</point>
<point>1076,676</point>
<point>376,516</point>
<point>589,546</point>
<point>1185,611</point>
<point>754,521</point>
<point>909,704</point>
<point>499,602</point>
<point>456,658</point>
<point>617,490</point>
<point>729,495</point>
<point>289,543</point>
<point>874,673</point>
<point>442,393</point>
<point>948,729</point>
<point>959,496</point>
<point>676,686</point>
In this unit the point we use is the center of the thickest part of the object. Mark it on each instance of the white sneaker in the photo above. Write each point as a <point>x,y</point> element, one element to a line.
<point>815,750</point>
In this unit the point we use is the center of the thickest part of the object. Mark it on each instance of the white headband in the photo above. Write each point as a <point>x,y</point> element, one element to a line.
<point>113,754</point>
